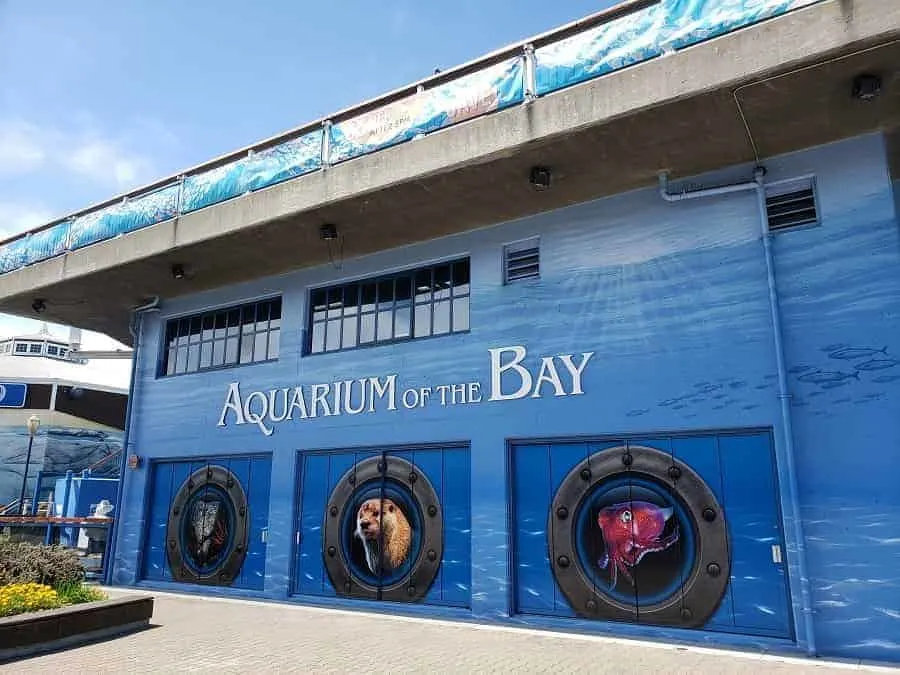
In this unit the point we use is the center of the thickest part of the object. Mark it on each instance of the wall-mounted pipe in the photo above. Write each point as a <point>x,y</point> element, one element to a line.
<point>137,314</point>
<point>758,185</point>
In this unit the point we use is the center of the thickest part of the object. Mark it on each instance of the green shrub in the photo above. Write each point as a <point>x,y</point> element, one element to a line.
<point>75,592</point>
<point>39,564</point>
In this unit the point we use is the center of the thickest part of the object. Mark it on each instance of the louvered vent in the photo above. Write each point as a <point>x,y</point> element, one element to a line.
<point>522,260</point>
<point>792,206</point>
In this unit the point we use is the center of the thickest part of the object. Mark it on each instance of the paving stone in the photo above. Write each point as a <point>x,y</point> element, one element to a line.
<point>198,635</point>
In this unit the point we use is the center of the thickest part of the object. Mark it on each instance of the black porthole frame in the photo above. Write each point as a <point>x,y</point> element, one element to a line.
<point>707,581</point>
<point>225,573</point>
<point>415,585</point>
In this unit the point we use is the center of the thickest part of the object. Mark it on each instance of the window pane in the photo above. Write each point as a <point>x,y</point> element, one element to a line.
<point>170,361</point>
<point>461,278</point>
<point>181,360</point>
<point>52,350</point>
<point>385,294</point>
<point>442,317</point>
<point>206,350</point>
<point>220,325</point>
<point>442,282</point>
<point>262,316</point>
<point>367,298</point>
<point>208,322</point>
<point>335,302</point>
<point>234,321</point>
<point>318,338</point>
<point>36,348</point>
<point>274,345</point>
<point>385,325</point>
<point>231,351</point>
<point>351,299</point>
<point>218,353</point>
<point>184,327</point>
<point>193,358</point>
<point>401,322</point>
<point>460,314</point>
<point>422,322</point>
<point>404,288</point>
<point>259,346</point>
<point>366,329</point>
<point>423,285</point>
<point>246,348</point>
<point>348,337</point>
<point>317,299</point>
<point>171,331</point>
<point>275,313</point>
<point>333,335</point>
<point>195,329</point>
<point>248,320</point>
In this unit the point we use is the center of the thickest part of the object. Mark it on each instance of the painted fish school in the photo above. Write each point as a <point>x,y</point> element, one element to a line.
<point>616,352</point>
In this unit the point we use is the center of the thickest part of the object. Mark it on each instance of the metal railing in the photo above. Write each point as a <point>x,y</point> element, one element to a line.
<point>627,34</point>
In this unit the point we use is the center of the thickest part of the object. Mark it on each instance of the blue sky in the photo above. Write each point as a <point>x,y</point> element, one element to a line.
<point>99,97</point>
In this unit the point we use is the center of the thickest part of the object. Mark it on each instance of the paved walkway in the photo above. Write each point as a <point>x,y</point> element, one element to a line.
<point>231,636</point>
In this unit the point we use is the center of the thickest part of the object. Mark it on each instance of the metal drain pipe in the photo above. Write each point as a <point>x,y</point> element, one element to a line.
<point>758,185</point>
<point>136,315</point>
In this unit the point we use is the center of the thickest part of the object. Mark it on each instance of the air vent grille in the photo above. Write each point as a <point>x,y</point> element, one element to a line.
<point>792,207</point>
<point>522,261</point>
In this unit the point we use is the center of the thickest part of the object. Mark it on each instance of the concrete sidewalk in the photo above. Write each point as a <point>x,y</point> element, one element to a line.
<point>194,634</point>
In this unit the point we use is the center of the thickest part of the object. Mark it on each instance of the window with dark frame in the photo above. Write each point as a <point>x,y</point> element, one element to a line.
<point>36,348</point>
<point>222,338</point>
<point>21,348</point>
<point>417,303</point>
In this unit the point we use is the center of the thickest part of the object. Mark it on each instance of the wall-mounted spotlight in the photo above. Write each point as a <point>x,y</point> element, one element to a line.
<point>38,305</point>
<point>866,87</point>
<point>177,272</point>
<point>539,177</point>
<point>328,232</point>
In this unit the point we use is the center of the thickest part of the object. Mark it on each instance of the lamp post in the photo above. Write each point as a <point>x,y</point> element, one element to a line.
<point>32,424</point>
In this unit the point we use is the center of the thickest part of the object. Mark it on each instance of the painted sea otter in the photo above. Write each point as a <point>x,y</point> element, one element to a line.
<point>631,530</point>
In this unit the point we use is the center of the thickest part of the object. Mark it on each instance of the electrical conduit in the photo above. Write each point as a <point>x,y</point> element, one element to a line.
<point>758,185</point>
<point>109,553</point>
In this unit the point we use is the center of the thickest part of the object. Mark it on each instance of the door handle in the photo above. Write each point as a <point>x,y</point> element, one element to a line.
<point>264,535</point>
<point>776,554</point>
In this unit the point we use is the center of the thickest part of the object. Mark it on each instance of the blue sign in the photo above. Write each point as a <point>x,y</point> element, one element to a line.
<point>12,394</point>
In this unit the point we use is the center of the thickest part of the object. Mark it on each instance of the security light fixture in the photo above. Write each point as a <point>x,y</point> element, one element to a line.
<point>866,87</point>
<point>38,305</point>
<point>177,272</point>
<point>328,232</point>
<point>540,177</point>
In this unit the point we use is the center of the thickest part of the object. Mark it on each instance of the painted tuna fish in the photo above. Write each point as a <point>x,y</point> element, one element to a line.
<point>631,530</point>
<point>852,353</point>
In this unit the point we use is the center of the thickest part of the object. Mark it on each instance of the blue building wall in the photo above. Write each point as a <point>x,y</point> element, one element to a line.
<point>672,301</point>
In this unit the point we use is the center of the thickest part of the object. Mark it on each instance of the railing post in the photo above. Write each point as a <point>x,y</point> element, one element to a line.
<point>180,196</point>
<point>529,75</point>
<point>326,144</point>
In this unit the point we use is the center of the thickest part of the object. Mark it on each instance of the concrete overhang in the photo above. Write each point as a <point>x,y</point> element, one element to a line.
<point>789,77</point>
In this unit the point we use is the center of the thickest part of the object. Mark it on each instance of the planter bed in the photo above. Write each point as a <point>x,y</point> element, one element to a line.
<point>32,632</point>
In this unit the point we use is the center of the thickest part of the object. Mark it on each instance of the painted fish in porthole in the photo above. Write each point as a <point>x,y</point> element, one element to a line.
<point>631,530</point>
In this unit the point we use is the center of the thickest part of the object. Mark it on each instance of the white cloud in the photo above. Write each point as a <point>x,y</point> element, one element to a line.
<point>22,147</point>
<point>18,217</point>
<point>102,161</point>
<point>102,158</point>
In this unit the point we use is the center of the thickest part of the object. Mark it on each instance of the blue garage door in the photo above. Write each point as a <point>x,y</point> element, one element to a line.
<point>385,525</point>
<point>680,531</point>
<point>208,521</point>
